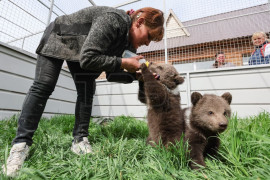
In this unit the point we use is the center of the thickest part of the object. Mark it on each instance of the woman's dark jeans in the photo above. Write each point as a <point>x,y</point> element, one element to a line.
<point>47,73</point>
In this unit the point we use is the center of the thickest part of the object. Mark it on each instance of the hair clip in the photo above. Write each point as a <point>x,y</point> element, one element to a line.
<point>131,11</point>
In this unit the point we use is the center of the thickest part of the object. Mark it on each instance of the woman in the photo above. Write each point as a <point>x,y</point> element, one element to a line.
<point>91,40</point>
<point>220,61</point>
<point>261,54</point>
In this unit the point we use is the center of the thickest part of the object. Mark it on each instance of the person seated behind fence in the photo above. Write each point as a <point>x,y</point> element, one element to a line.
<point>261,54</point>
<point>91,41</point>
<point>220,61</point>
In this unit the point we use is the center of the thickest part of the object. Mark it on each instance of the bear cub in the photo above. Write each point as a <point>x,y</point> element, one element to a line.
<point>167,122</point>
<point>162,97</point>
<point>203,122</point>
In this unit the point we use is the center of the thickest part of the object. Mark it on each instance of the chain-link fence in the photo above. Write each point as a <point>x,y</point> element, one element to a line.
<point>22,23</point>
<point>195,30</point>
<point>210,34</point>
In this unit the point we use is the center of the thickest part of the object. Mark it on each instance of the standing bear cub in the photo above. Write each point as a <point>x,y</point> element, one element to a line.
<point>162,97</point>
<point>203,122</point>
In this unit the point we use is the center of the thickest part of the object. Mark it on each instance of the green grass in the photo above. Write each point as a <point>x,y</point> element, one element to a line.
<point>121,153</point>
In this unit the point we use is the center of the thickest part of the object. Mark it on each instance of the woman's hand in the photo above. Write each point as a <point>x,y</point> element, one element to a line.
<point>131,64</point>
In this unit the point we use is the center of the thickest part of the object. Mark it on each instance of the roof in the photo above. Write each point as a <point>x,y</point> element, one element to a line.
<point>233,24</point>
<point>175,28</point>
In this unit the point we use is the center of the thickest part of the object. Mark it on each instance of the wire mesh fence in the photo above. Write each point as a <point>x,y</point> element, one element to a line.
<point>22,23</point>
<point>195,30</point>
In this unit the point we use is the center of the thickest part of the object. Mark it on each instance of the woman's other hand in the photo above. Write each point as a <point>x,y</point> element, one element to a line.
<point>131,64</point>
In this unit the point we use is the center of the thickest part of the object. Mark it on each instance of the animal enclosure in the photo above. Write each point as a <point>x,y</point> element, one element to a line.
<point>195,31</point>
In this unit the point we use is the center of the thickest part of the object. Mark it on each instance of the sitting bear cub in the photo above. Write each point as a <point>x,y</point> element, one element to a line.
<point>203,122</point>
<point>165,118</point>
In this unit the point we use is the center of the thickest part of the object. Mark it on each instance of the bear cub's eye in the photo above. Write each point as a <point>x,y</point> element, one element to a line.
<point>210,112</point>
<point>225,113</point>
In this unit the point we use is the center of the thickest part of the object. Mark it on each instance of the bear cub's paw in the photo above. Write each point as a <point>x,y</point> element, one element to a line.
<point>143,67</point>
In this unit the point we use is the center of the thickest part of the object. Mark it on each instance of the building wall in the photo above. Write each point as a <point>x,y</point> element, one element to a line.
<point>17,71</point>
<point>234,50</point>
<point>173,28</point>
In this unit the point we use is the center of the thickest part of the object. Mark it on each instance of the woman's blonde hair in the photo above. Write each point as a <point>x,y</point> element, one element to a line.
<point>260,33</point>
<point>154,19</point>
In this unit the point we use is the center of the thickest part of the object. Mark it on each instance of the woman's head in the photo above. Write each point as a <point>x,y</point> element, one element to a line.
<point>220,59</point>
<point>258,38</point>
<point>147,26</point>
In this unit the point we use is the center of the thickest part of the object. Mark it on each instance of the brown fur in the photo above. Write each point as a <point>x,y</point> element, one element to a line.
<point>165,118</point>
<point>208,117</point>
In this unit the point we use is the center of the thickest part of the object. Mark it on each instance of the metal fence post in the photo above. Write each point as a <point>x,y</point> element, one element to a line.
<point>187,79</point>
<point>50,12</point>
<point>23,42</point>
<point>165,34</point>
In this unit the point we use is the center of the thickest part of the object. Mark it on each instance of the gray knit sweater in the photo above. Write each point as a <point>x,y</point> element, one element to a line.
<point>95,36</point>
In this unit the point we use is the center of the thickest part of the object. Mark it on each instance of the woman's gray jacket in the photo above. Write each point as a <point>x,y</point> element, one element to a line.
<point>95,36</point>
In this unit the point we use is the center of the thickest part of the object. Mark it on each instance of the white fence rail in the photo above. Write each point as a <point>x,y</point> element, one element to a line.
<point>17,71</point>
<point>249,86</point>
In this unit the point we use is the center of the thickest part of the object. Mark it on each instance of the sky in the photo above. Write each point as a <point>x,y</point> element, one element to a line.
<point>192,9</point>
<point>16,23</point>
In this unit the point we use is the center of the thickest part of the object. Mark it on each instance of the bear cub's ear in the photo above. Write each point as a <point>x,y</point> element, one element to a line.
<point>178,79</point>
<point>160,67</point>
<point>228,97</point>
<point>195,97</point>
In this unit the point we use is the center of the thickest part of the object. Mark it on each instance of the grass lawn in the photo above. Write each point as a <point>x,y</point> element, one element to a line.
<point>121,153</point>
